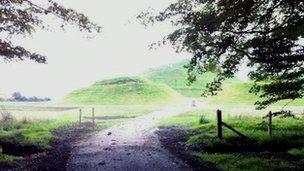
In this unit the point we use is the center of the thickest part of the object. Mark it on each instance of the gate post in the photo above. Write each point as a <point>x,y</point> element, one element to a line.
<point>270,124</point>
<point>93,119</point>
<point>80,113</point>
<point>219,124</point>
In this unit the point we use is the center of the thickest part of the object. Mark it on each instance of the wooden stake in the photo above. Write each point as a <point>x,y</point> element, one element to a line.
<point>93,119</point>
<point>80,113</point>
<point>270,124</point>
<point>219,124</point>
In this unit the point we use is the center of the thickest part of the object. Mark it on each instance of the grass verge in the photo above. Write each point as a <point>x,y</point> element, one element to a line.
<point>237,162</point>
<point>282,151</point>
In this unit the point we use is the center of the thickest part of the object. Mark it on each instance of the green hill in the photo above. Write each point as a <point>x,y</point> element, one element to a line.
<point>162,85</point>
<point>237,92</point>
<point>123,90</point>
<point>234,91</point>
<point>175,76</point>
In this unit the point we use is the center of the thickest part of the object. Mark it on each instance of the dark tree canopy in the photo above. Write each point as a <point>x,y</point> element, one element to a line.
<point>21,17</point>
<point>266,34</point>
<point>18,97</point>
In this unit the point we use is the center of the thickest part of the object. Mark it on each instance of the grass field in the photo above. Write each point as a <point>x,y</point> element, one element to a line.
<point>282,151</point>
<point>124,90</point>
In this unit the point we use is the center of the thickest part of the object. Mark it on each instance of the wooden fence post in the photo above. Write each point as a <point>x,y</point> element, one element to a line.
<point>219,124</point>
<point>270,123</point>
<point>80,113</point>
<point>93,119</point>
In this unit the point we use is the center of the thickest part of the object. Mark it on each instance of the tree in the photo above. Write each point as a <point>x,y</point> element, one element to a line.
<point>265,34</point>
<point>21,17</point>
<point>16,96</point>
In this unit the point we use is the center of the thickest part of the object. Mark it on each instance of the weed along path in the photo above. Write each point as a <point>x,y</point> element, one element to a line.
<point>131,145</point>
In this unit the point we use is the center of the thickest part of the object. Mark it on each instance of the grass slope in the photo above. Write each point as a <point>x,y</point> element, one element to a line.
<point>234,90</point>
<point>123,90</point>
<point>237,92</point>
<point>175,76</point>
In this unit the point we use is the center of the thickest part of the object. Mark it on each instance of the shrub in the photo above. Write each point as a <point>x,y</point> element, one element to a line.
<point>6,116</point>
<point>25,120</point>
<point>203,120</point>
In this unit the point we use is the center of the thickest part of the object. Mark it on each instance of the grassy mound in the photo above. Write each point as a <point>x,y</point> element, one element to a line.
<point>123,90</point>
<point>175,76</point>
<point>237,92</point>
<point>234,90</point>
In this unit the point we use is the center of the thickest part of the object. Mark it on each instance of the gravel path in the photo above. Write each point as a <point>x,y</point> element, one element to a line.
<point>131,145</point>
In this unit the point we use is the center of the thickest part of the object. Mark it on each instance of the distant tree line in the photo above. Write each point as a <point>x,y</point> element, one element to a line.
<point>18,97</point>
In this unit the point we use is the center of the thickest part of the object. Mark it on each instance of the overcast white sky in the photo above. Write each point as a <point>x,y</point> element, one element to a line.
<point>75,62</point>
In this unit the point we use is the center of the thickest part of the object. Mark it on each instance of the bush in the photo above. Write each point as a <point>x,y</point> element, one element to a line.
<point>203,120</point>
<point>25,120</point>
<point>5,118</point>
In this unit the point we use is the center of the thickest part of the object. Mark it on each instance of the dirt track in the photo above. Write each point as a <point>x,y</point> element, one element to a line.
<point>130,146</point>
